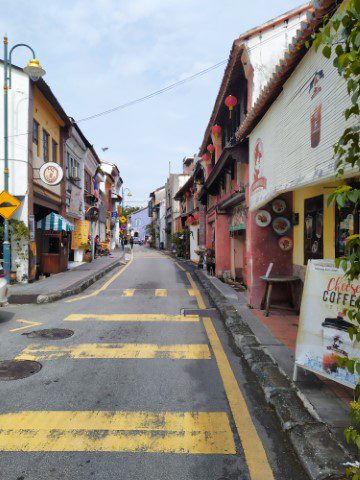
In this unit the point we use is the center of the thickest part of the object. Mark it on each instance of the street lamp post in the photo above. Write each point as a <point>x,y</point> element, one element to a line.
<point>34,70</point>
<point>129,194</point>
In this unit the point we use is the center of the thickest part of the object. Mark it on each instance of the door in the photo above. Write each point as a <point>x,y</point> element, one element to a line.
<point>313,228</point>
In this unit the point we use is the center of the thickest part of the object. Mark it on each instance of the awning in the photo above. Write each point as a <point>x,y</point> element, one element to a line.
<point>238,227</point>
<point>56,222</point>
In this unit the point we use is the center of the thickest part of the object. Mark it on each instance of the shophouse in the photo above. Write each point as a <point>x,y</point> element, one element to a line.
<point>174,182</point>
<point>139,222</point>
<point>111,188</point>
<point>292,129</point>
<point>225,159</point>
<point>75,150</point>
<point>157,208</point>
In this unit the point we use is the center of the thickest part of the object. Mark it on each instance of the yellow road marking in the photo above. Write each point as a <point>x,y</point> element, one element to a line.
<point>181,268</point>
<point>198,296</point>
<point>255,455</point>
<point>29,325</point>
<point>161,292</point>
<point>106,431</point>
<point>191,292</point>
<point>116,350</point>
<point>106,284</point>
<point>132,317</point>
<point>128,292</point>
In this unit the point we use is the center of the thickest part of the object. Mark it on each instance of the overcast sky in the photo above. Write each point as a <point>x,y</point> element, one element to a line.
<point>102,53</point>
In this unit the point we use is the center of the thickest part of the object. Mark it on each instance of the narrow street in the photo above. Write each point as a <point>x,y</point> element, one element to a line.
<point>139,391</point>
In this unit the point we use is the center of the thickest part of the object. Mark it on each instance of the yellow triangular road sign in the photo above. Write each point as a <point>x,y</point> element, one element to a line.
<point>8,205</point>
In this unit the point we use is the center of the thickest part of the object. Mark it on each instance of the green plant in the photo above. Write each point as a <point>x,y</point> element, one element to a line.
<point>340,37</point>
<point>181,242</point>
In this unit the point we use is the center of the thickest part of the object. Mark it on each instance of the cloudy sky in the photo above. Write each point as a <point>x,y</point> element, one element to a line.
<point>102,53</point>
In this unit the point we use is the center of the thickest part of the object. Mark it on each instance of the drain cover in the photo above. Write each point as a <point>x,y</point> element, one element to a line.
<point>52,333</point>
<point>16,369</point>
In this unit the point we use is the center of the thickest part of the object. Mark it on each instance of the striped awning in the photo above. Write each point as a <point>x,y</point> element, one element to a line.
<point>56,222</point>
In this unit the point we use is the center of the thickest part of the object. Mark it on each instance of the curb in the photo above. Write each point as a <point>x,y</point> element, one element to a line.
<point>319,453</point>
<point>73,289</point>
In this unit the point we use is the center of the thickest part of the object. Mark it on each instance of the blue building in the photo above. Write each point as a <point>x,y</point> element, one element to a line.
<point>138,223</point>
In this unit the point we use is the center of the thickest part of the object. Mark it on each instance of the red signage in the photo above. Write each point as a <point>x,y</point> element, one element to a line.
<point>259,181</point>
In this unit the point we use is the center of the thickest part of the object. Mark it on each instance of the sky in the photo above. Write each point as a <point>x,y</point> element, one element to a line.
<point>102,53</point>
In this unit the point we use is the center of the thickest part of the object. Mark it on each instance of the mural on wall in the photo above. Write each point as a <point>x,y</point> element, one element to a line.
<point>259,181</point>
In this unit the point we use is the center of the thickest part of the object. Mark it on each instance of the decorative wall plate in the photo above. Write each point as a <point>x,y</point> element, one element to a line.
<point>262,218</point>
<point>278,205</point>
<point>281,225</point>
<point>285,243</point>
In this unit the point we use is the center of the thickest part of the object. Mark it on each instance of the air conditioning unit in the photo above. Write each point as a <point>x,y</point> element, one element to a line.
<point>74,174</point>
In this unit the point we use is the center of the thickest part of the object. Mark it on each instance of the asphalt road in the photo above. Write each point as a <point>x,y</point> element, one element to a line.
<point>139,391</point>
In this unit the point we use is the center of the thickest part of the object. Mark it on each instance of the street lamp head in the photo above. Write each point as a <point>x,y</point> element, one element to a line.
<point>34,70</point>
<point>129,194</point>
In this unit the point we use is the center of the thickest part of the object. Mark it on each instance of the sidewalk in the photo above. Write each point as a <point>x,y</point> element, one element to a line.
<point>314,411</point>
<point>66,283</point>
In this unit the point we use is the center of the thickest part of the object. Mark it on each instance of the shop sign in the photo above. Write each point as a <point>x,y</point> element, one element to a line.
<point>51,173</point>
<point>238,219</point>
<point>323,329</point>
<point>80,236</point>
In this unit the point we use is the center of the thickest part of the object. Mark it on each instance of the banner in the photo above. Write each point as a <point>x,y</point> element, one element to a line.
<point>80,237</point>
<point>323,329</point>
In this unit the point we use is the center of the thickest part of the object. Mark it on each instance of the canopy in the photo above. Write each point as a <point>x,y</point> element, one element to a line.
<point>56,222</point>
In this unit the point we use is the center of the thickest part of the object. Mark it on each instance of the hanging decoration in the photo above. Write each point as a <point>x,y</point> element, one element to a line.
<point>196,215</point>
<point>230,102</point>
<point>187,194</point>
<point>210,148</point>
<point>206,158</point>
<point>216,130</point>
<point>190,220</point>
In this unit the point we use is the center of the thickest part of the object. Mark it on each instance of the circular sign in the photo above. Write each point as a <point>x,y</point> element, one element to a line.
<point>262,218</point>
<point>51,173</point>
<point>281,225</point>
<point>285,243</point>
<point>279,205</point>
<point>122,219</point>
<point>123,227</point>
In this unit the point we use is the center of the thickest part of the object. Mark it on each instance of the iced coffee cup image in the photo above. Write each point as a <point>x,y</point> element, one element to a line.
<point>336,343</point>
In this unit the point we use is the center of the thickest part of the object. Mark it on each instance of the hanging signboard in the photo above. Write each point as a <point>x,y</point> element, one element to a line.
<point>80,236</point>
<point>323,329</point>
<point>51,173</point>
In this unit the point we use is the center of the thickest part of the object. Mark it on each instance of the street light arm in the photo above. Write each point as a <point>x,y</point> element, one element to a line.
<point>10,60</point>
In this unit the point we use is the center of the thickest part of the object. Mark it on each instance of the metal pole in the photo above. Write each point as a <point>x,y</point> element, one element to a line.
<point>6,243</point>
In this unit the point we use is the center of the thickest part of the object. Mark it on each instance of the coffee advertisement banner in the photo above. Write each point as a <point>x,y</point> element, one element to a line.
<point>323,329</point>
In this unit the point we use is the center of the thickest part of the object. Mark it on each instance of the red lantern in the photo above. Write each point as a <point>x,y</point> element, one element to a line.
<point>196,215</point>
<point>187,194</point>
<point>205,158</point>
<point>230,102</point>
<point>216,130</point>
<point>190,220</point>
<point>210,148</point>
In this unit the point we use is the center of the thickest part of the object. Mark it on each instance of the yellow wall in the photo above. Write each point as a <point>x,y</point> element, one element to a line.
<point>329,221</point>
<point>48,119</point>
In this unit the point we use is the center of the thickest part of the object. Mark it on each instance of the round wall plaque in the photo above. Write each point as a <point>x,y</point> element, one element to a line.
<point>51,173</point>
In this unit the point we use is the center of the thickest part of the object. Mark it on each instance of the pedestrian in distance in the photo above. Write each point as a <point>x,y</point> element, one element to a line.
<point>122,243</point>
<point>131,243</point>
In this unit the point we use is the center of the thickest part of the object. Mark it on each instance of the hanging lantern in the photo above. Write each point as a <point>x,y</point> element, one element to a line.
<point>216,130</point>
<point>196,215</point>
<point>187,194</point>
<point>205,158</point>
<point>210,148</point>
<point>190,220</point>
<point>230,102</point>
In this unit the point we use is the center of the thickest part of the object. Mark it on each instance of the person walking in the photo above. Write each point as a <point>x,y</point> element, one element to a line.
<point>131,242</point>
<point>122,242</point>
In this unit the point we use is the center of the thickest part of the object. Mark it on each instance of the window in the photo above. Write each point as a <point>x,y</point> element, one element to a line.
<point>35,132</point>
<point>54,150</point>
<point>87,182</point>
<point>73,169</point>
<point>45,143</point>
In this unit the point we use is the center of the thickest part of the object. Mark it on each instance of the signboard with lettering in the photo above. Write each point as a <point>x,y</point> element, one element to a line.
<point>80,236</point>
<point>323,328</point>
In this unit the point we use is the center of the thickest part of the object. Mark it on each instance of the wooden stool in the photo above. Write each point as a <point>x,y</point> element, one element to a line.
<point>280,279</point>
